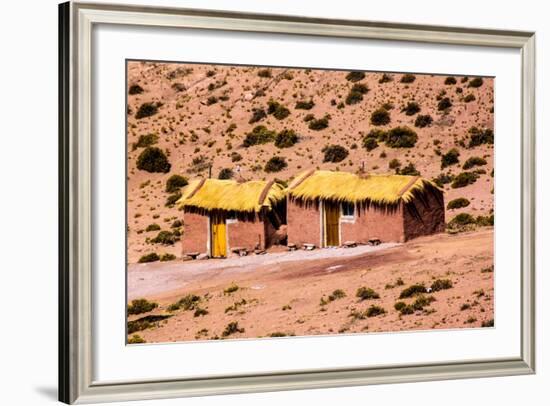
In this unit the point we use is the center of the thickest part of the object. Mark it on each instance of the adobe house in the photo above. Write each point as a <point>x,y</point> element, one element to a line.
<point>221,216</point>
<point>327,208</point>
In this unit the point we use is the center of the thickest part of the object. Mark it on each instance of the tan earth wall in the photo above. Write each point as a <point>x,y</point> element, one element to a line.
<point>195,233</point>
<point>246,234</point>
<point>303,224</point>
<point>373,223</point>
<point>430,221</point>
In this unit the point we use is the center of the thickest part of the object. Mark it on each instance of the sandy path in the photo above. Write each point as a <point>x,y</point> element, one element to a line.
<point>292,297</point>
<point>156,279</point>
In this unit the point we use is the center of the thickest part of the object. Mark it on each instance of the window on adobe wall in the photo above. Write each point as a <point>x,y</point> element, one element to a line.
<point>348,211</point>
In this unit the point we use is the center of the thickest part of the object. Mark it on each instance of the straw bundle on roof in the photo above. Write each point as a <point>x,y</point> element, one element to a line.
<point>212,195</point>
<point>380,190</point>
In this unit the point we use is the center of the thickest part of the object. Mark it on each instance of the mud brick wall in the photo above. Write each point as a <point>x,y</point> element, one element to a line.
<point>373,222</point>
<point>303,224</point>
<point>195,233</point>
<point>430,219</point>
<point>246,234</point>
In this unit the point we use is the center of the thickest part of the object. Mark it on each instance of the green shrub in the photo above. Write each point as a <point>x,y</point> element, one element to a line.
<point>394,164</point>
<point>145,322</point>
<point>380,116</point>
<point>236,157</point>
<point>318,124</point>
<point>464,179</point>
<point>177,223</point>
<point>286,139</point>
<point>441,284</point>
<point>462,219</point>
<point>164,237</point>
<point>355,76</point>
<point>152,227</point>
<point>399,305</point>
<point>334,153</point>
<point>412,290</point>
<point>259,135</point>
<point>411,108</point>
<point>188,302</point>
<point>232,328</point>
<point>444,104</point>
<point>422,301</point>
<point>370,143</point>
<point>365,293</point>
<point>135,89</point>
<point>336,294</point>
<point>475,82</point>
<point>175,183</point>
<point>279,111</point>
<point>178,87</point>
<point>485,220</point>
<point>469,98</point>
<point>139,306</point>
<point>374,311</point>
<point>136,339</point>
<point>304,105</point>
<point>458,203</point>
<point>474,161</point>
<point>401,137</point>
<point>443,179</point>
<point>167,257</point>
<point>356,93</point>
<point>147,110</point>
<point>172,199</point>
<point>480,136</point>
<point>308,117</point>
<point>145,141</point>
<point>488,323</point>
<point>231,289</point>
<point>409,170</point>
<point>152,257</point>
<point>408,78</point>
<point>449,80</point>
<point>275,164</point>
<point>226,173</point>
<point>407,309</point>
<point>200,312</point>
<point>423,120</point>
<point>257,115</point>
<point>153,159</point>
<point>264,73</point>
<point>450,158</point>
<point>385,78</point>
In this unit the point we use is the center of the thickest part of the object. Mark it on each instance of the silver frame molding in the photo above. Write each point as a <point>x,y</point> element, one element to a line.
<point>76,21</point>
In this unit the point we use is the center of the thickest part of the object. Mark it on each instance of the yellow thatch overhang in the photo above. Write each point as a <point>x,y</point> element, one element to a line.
<point>380,190</point>
<point>206,196</point>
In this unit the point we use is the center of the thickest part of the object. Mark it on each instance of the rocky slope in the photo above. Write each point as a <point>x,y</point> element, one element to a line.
<point>200,115</point>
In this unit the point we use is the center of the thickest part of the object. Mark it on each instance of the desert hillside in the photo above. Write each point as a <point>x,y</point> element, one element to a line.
<point>267,123</point>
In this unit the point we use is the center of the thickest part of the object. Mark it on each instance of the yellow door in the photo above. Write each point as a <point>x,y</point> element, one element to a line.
<point>332,224</point>
<point>219,247</point>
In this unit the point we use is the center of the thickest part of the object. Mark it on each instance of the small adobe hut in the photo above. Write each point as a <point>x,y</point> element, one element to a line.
<point>221,215</point>
<point>328,208</point>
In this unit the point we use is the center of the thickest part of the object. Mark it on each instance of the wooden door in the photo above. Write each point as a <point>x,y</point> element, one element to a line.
<point>219,236</point>
<point>332,224</point>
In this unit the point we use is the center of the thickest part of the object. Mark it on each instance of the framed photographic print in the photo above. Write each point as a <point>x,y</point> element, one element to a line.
<point>261,202</point>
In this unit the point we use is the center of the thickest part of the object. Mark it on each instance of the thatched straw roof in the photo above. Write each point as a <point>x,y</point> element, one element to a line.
<point>210,195</point>
<point>381,190</point>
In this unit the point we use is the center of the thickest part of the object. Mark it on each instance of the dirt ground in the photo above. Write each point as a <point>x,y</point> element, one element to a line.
<point>296,295</point>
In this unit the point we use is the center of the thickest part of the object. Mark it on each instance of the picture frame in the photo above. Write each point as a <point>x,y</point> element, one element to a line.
<point>76,214</point>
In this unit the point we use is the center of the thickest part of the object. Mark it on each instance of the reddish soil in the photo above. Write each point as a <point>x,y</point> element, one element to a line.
<point>292,298</point>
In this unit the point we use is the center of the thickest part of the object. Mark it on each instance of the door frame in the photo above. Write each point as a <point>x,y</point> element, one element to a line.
<point>323,224</point>
<point>210,240</point>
